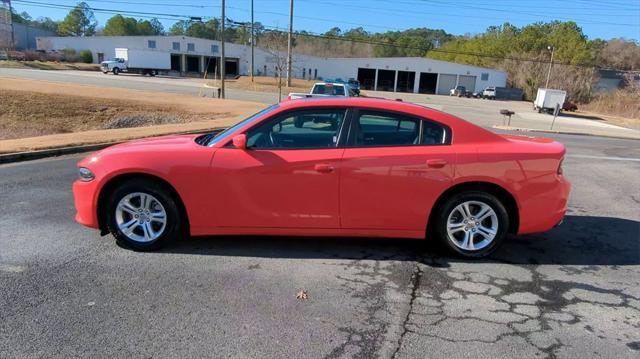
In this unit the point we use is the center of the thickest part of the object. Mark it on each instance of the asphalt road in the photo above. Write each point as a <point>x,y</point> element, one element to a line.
<point>573,292</point>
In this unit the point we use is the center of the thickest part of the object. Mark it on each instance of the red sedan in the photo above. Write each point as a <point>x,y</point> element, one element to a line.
<point>328,167</point>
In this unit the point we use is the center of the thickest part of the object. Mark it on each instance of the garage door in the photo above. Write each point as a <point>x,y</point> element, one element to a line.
<point>445,83</point>
<point>469,82</point>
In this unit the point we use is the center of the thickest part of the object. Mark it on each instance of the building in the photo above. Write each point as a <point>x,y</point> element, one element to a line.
<point>195,56</point>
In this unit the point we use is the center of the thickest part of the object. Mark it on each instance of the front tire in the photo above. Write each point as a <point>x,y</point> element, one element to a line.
<point>143,215</point>
<point>472,224</point>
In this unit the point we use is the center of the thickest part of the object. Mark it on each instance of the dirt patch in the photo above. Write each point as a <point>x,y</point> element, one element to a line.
<point>44,114</point>
<point>265,84</point>
<point>29,113</point>
<point>48,65</point>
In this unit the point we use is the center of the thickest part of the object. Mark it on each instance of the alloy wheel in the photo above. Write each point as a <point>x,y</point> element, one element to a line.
<point>141,217</point>
<point>472,225</point>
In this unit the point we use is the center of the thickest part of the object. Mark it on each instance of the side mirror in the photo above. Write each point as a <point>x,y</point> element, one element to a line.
<point>240,141</point>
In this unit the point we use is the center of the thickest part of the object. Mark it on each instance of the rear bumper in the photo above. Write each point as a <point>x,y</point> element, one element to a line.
<point>546,205</point>
<point>85,199</point>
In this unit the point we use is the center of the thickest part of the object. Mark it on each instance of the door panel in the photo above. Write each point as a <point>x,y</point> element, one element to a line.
<point>392,187</point>
<point>277,188</point>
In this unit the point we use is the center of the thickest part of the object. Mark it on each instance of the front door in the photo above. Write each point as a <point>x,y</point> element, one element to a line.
<point>288,177</point>
<point>393,171</point>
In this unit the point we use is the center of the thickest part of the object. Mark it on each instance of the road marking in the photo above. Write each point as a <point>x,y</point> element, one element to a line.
<point>610,158</point>
<point>11,268</point>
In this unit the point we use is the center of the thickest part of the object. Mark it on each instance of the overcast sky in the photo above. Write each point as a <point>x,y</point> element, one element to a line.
<point>599,19</point>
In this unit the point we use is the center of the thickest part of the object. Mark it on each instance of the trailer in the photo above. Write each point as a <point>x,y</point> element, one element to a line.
<point>143,62</point>
<point>548,99</point>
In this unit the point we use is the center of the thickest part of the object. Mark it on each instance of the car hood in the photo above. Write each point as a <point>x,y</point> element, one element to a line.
<point>152,144</point>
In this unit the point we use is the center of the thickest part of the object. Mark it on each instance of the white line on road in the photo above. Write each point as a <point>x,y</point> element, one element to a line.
<point>609,158</point>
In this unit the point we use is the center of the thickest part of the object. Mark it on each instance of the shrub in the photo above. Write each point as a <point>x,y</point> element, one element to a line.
<point>86,56</point>
<point>33,56</point>
<point>69,55</point>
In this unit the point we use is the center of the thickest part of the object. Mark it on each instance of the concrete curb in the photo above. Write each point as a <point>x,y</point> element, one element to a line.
<point>60,151</point>
<point>522,129</point>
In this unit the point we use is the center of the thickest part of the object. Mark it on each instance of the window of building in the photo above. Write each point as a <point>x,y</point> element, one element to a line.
<point>484,76</point>
<point>214,49</point>
<point>300,129</point>
<point>151,44</point>
<point>191,46</point>
<point>176,46</point>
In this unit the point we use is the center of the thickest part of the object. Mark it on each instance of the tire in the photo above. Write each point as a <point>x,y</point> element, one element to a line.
<point>453,237</point>
<point>152,73</point>
<point>144,235</point>
<point>116,70</point>
<point>105,72</point>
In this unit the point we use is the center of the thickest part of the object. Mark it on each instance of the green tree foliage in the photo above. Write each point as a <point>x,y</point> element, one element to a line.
<point>80,21</point>
<point>412,42</point>
<point>574,54</point>
<point>42,22</point>
<point>86,56</point>
<point>119,25</point>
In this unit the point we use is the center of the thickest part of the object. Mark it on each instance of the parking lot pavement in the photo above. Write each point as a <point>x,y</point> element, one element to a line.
<point>573,292</point>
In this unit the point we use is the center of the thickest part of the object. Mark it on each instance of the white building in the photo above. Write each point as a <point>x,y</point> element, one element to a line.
<point>195,56</point>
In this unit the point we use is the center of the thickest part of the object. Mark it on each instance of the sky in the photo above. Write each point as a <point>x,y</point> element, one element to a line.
<point>598,18</point>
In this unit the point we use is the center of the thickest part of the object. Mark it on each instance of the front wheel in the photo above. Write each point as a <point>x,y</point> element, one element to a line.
<point>472,224</point>
<point>143,215</point>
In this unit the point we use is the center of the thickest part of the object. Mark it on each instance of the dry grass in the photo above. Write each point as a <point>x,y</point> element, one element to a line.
<point>621,107</point>
<point>48,65</point>
<point>265,84</point>
<point>28,113</point>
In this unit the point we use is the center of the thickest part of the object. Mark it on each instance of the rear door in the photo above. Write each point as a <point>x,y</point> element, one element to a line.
<point>392,171</point>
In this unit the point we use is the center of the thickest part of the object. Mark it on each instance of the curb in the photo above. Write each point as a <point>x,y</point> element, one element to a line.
<point>522,129</point>
<point>60,151</point>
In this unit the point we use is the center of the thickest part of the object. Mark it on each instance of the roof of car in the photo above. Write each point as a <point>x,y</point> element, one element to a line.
<point>351,101</point>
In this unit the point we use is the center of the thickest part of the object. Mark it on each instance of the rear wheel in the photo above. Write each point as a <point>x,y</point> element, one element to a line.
<point>143,215</point>
<point>116,70</point>
<point>472,224</point>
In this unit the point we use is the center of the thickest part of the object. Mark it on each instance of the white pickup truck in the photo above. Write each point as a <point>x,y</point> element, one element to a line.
<point>143,62</point>
<point>325,89</point>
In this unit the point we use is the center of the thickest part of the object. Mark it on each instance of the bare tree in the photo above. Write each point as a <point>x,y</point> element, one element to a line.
<point>276,49</point>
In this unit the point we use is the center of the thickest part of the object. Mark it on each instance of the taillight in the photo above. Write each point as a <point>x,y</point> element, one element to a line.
<point>560,167</point>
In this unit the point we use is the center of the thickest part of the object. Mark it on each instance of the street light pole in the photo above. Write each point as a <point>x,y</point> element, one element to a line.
<point>252,42</point>
<point>222,59</point>
<point>552,49</point>
<point>289,43</point>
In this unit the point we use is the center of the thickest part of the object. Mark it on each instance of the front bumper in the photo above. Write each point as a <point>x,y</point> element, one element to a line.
<point>86,201</point>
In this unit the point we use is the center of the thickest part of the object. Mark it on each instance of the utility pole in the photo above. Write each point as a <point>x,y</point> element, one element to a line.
<point>222,60</point>
<point>552,49</point>
<point>252,42</point>
<point>289,43</point>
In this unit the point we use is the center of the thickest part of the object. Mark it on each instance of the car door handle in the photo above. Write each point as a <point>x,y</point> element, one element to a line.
<point>323,168</point>
<point>436,163</point>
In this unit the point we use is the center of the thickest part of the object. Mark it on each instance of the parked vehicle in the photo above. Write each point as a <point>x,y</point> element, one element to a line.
<point>569,106</point>
<point>325,89</point>
<point>489,93</point>
<point>328,167</point>
<point>458,91</point>
<point>548,99</point>
<point>355,86</point>
<point>137,61</point>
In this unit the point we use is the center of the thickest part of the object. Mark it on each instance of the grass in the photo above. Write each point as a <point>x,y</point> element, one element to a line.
<point>623,106</point>
<point>265,84</point>
<point>48,65</point>
<point>29,114</point>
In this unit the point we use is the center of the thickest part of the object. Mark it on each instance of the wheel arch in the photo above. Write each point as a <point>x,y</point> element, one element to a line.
<point>507,199</point>
<point>118,180</point>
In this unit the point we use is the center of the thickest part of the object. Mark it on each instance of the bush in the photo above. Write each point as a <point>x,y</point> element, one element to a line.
<point>86,56</point>
<point>33,56</point>
<point>69,55</point>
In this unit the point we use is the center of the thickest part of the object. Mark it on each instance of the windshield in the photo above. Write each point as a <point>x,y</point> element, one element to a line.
<point>224,134</point>
<point>335,90</point>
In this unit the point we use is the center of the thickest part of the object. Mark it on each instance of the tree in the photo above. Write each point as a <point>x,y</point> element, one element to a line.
<point>119,25</point>
<point>149,27</point>
<point>80,21</point>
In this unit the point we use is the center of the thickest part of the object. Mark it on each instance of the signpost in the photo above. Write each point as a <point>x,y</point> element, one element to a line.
<point>556,111</point>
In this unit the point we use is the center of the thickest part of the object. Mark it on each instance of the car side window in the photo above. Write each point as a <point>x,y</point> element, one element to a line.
<point>306,129</point>
<point>379,128</point>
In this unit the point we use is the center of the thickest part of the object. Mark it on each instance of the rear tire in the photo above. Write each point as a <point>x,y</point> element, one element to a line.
<point>471,224</point>
<point>143,215</point>
<point>116,70</point>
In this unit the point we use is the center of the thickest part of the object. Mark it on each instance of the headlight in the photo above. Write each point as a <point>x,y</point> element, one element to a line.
<point>85,174</point>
